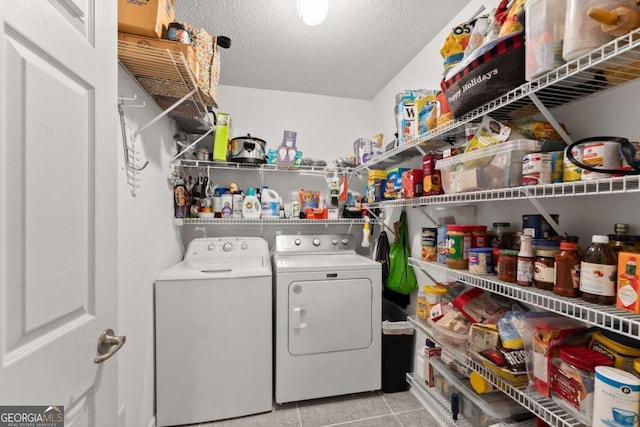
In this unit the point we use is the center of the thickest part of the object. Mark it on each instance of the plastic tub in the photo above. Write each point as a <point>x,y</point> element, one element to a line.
<point>446,335</point>
<point>479,410</point>
<point>544,33</point>
<point>498,166</point>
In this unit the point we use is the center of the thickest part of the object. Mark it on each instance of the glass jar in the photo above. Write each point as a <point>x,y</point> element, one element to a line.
<point>500,235</point>
<point>524,275</point>
<point>567,268</point>
<point>545,245</point>
<point>508,270</point>
<point>543,269</point>
<point>515,241</point>
<point>621,243</point>
<point>479,236</point>
<point>422,310</point>
<point>598,272</point>
<point>458,243</point>
<point>433,295</point>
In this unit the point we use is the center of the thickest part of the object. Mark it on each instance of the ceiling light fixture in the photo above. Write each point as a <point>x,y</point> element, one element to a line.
<point>313,12</point>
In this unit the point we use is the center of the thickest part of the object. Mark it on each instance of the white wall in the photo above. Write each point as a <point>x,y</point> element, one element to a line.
<point>147,244</point>
<point>326,126</point>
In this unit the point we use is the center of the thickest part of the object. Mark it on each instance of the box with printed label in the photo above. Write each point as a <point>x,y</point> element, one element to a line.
<point>145,17</point>
<point>627,295</point>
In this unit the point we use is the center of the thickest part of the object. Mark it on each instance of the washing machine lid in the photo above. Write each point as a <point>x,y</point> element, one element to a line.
<point>217,269</point>
<point>314,262</point>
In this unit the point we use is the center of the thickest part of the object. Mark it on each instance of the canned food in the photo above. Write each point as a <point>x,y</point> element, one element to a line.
<point>178,33</point>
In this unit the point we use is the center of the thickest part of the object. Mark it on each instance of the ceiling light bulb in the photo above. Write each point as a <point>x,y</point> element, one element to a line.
<point>313,12</point>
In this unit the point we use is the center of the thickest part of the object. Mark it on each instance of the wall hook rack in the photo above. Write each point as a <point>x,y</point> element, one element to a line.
<point>130,160</point>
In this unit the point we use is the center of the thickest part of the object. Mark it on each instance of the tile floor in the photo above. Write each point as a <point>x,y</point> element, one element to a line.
<point>372,409</point>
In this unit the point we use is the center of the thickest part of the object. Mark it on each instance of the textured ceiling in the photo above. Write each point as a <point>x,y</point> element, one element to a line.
<point>354,53</point>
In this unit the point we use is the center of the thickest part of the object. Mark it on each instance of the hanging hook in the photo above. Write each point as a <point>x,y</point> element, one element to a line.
<point>122,100</point>
<point>125,145</point>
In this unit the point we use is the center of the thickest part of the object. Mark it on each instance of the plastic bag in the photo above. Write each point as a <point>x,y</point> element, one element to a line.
<point>402,278</point>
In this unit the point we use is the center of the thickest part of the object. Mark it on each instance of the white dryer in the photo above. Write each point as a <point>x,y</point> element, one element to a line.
<point>327,325</point>
<point>213,329</point>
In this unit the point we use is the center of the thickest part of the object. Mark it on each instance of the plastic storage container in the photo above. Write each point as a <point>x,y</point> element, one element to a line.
<point>583,34</point>
<point>397,348</point>
<point>498,166</point>
<point>480,411</point>
<point>544,33</point>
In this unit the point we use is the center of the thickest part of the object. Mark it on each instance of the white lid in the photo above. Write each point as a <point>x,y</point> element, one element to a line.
<point>599,239</point>
<point>617,377</point>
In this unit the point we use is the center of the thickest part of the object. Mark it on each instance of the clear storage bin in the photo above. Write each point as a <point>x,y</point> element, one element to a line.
<point>497,166</point>
<point>479,410</point>
<point>544,32</point>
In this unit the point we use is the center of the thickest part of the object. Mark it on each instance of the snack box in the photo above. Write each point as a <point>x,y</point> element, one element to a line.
<point>479,410</point>
<point>497,166</point>
<point>394,177</point>
<point>628,289</point>
<point>412,183</point>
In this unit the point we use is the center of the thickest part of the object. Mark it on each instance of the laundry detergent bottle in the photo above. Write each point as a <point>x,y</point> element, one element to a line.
<point>251,205</point>
<point>270,203</point>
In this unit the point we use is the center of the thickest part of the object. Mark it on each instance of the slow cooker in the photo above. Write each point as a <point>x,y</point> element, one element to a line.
<point>247,149</point>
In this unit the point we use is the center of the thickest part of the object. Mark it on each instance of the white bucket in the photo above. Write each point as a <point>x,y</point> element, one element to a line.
<point>616,398</point>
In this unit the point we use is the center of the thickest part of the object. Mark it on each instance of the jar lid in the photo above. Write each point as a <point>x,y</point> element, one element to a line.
<point>501,224</point>
<point>584,358</point>
<point>434,289</point>
<point>478,228</point>
<point>597,238</point>
<point>177,25</point>
<point>456,227</point>
<point>568,245</point>
<point>547,253</point>
<point>479,383</point>
<point>480,250</point>
<point>567,238</point>
<point>511,252</point>
<point>620,237</point>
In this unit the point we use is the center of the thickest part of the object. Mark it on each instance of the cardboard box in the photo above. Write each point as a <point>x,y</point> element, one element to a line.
<point>432,178</point>
<point>412,183</point>
<point>627,296</point>
<point>145,17</point>
<point>186,50</point>
<point>222,137</point>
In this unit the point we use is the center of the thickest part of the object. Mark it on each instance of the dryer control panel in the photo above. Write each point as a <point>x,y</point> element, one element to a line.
<point>315,243</point>
<point>206,249</point>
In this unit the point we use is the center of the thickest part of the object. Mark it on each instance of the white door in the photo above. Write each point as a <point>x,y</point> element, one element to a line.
<point>58,265</point>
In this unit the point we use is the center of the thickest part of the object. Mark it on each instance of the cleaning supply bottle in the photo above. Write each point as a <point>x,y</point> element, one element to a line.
<point>366,234</point>
<point>270,203</point>
<point>250,205</point>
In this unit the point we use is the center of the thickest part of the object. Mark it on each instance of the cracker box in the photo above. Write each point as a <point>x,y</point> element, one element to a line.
<point>412,183</point>
<point>627,295</point>
<point>431,177</point>
<point>146,18</point>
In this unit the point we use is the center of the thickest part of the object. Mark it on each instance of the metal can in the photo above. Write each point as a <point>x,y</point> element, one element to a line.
<point>178,33</point>
<point>604,155</point>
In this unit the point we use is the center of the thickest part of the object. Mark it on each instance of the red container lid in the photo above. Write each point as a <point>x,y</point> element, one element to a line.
<point>584,358</point>
<point>461,228</point>
<point>478,227</point>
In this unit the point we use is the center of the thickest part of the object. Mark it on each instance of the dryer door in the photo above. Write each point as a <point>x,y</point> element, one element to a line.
<point>330,315</point>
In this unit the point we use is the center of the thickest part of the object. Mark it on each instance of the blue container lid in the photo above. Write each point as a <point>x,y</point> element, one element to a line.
<point>485,250</point>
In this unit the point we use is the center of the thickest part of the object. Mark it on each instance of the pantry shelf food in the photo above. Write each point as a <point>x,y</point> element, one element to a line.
<point>627,184</point>
<point>620,321</point>
<point>601,69</point>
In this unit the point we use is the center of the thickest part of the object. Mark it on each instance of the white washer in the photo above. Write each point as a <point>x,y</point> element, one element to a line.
<point>327,326</point>
<point>213,327</point>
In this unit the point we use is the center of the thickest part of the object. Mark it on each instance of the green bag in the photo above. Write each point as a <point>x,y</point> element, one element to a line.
<point>401,278</point>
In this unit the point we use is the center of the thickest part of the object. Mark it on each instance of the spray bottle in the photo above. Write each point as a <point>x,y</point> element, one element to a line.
<point>366,233</point>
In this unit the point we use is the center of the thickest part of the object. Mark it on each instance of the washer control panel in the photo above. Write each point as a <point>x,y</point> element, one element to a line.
<point>315,243</point>
<point>223,247</point>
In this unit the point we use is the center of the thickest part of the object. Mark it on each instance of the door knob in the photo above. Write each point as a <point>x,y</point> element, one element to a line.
<point>108,345</point>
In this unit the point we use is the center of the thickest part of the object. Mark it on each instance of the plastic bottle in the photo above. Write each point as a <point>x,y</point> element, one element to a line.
<point>250,205</point>
<point>237,204</point>
<point>567,268</point>
<point>295,205</point>
<point>598,272</point>
<point>525,262</point>
<point>227,205</point>
<point>270,203</point>
<point>180,199</point>
<point>366,235</point>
